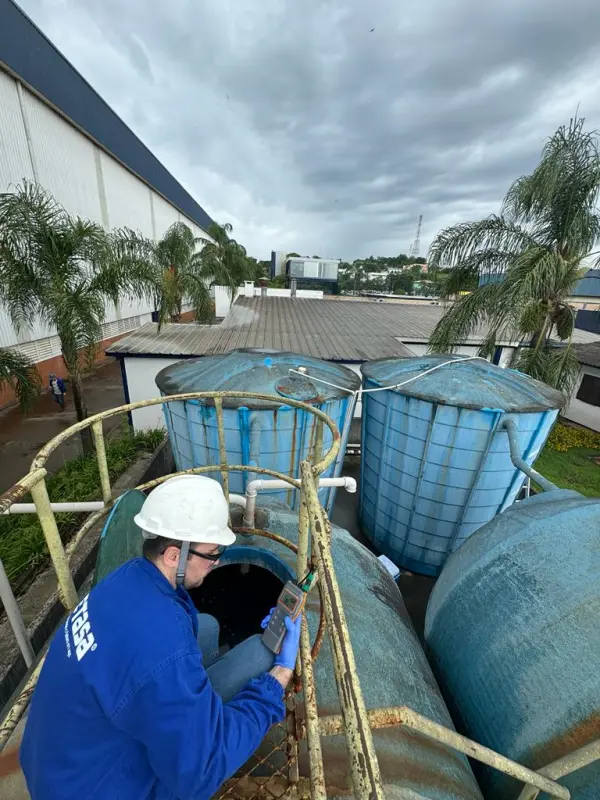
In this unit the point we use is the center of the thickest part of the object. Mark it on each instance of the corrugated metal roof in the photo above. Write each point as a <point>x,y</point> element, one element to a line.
<point>588,354</point>
<point>329,329</point>
<point>333,331</point>
<point>338,321</point>
<point>29,54</point>
<point>585,337</point>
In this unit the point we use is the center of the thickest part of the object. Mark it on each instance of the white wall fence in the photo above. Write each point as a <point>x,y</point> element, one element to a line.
<point>224,301</point>
<point>579,411</point>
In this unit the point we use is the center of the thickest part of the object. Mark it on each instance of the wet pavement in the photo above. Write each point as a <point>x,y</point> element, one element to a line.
<point>23,435</point>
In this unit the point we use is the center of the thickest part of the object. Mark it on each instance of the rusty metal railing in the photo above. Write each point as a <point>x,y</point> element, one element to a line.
<point>314,537</point>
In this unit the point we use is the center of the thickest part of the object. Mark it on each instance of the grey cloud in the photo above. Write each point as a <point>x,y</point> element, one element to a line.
<point>308,131</point>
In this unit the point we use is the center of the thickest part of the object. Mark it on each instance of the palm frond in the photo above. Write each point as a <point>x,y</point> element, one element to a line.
<point>125,268</point>
<point>453,246</point>
<point>197,293</point>
<point>18,373</point>
<point>463,319</point>
<point>564,320</point>
<point>557,366</point>
<point>560,196</point>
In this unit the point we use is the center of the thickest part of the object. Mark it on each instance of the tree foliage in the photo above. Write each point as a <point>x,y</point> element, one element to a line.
<point>19,374</point>
<point>181,268</point>
<point>224,260</point>
<point>527,260</point>
<point>62,270</point>
<point>401,272</point>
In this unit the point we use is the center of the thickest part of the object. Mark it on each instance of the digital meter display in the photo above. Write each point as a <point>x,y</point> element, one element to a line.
<point>289,601</point>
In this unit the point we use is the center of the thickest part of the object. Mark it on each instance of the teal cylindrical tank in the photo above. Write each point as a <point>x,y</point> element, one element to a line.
<point>270,434</point>
<point>435,459</point>
<point>513,635</point>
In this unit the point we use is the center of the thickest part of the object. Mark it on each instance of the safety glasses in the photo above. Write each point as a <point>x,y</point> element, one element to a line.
<point>209,556</point>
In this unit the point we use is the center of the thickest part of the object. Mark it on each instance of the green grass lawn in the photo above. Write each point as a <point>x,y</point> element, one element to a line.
<point>573,469</point>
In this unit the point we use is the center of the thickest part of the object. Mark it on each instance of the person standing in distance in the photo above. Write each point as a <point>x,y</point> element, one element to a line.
<point>58,390</point>
<point>133,700</point>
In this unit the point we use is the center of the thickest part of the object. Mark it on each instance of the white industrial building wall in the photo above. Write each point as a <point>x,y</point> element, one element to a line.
<point>15,163</point>
<point>39,144</point>
<point>164,215</point>
<point>356,368</point>
<point>580,412</point>
<point>141,385</point>
<point>63,159</point>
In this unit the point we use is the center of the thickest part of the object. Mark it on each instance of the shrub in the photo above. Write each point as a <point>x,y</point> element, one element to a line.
<point>564,437</point>
<point>22,543</point>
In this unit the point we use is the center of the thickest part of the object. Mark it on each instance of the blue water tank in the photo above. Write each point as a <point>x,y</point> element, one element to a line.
<point>257,433</point>
<point>513,634</point>
<point>435,460</point>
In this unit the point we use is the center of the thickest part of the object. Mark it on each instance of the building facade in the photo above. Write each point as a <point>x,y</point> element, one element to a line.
<point>56,130</point>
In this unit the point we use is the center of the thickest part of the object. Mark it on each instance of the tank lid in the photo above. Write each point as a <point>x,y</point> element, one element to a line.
<point>262,371</point>
<point>468,384</point>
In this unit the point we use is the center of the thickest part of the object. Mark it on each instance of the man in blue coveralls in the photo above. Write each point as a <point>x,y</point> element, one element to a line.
<point>133,701</point>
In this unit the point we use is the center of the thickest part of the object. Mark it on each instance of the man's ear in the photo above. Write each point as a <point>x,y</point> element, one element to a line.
<point>171,556</point>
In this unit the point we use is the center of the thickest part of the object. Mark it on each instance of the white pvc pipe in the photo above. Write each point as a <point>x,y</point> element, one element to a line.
<point>29,508</point>
<point>260,485</point>
<point>93,505</point>
<point>237,500</point>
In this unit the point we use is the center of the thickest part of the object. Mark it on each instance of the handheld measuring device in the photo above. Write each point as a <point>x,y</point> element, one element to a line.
<point>289,604</point>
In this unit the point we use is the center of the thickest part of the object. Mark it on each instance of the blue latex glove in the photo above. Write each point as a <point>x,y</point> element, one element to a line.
<point>289,649</point>
<point>267,619</point>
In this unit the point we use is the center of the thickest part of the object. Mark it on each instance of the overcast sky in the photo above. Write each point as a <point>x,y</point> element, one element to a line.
<point>309,131</point>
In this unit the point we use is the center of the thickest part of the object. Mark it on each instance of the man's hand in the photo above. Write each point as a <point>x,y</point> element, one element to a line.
<point>285,660</point>
<point>286,657</point>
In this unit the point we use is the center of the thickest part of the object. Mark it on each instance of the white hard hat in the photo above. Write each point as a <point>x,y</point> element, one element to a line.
<point>188,508</point>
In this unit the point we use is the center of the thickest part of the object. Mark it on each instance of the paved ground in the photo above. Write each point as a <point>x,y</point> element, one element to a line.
<point>22,435</point>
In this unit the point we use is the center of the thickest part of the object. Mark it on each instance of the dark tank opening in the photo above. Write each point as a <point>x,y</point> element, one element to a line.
<point>239,596</point>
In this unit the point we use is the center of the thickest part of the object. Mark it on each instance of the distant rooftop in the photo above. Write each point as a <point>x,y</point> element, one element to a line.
<point>361,322</point>
<point>589,354</point>
<point>333,330</point>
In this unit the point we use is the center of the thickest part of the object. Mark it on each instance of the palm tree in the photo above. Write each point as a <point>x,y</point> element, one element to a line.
<point>179,271</point>
<point>224,260</point>
<point>528,260</point>
<point>179,276</point>
<point>20,375</point>
<point>63,270</point>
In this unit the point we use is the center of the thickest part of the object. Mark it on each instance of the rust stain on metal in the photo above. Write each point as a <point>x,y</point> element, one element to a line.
<point>398,768</point>
<point>20,489</point>
<point>293,453</point>
<point>12,495</point>
<point>572,739</point>
<point>366,767</point>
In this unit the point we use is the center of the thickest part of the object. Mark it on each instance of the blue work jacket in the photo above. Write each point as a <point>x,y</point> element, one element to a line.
<point>123,709</point>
